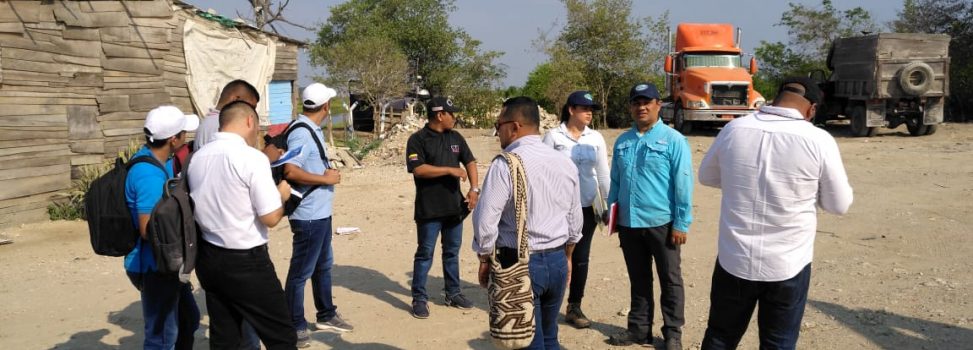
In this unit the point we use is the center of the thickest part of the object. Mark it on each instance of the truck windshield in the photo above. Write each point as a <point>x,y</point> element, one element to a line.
<point>730,61</point>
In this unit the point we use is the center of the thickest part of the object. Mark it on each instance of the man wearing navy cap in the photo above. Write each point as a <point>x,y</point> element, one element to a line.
<point>652,185</point>
<point>433,156</point>
<point>774,168</point>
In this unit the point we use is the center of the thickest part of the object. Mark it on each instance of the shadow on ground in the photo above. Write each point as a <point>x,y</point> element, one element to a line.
<point>891,331</point>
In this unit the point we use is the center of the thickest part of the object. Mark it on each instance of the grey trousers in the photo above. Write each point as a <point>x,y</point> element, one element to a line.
<point>640,246</point>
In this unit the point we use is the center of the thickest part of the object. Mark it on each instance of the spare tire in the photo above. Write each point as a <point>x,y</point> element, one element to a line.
<point>916,78</point>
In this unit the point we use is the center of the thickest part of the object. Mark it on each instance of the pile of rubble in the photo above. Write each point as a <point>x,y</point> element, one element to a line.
<point>392,150</point>
<point>548,120</point>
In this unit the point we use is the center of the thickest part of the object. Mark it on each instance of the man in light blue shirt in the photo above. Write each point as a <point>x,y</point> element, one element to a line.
<point>311,175</point>
<point>652,185</point>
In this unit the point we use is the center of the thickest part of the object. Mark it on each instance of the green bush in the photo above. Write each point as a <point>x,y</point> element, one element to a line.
<point>359,147</point>
<point>70,205</point>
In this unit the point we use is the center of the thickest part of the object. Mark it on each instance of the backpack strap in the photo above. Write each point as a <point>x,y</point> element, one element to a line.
<point>146,159</point>
<point>317,142</point>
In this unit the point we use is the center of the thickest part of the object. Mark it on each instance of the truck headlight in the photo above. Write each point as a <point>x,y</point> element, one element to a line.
<point>759,103</point>
<point>698,104</point>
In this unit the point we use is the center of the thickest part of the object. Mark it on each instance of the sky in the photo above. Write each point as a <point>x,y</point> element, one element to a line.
<point>511,26</point>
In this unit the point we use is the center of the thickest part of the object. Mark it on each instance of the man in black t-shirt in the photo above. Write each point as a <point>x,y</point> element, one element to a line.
<point>433,156</point>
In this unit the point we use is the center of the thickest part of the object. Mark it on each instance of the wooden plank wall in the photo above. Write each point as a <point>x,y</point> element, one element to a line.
<point>76,80</point>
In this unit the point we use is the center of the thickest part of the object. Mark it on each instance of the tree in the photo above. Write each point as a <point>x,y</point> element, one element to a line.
<point>811,31</point>
<point>449,60</point>
<point>602,47</point>
<point>953,17</point>
<point>374,61</point>
<point>265,15</point>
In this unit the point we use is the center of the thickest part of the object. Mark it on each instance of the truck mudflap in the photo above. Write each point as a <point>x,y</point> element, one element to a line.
<point>704,115</point>
<point>875,114</point>
<point>934,111</point>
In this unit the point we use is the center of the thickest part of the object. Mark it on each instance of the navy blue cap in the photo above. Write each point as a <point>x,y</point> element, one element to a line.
<point>440,104</point>
<point>647,90</point>
<point>583,98</point>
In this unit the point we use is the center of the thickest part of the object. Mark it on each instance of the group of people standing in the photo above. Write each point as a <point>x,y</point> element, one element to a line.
<point>773,167</point>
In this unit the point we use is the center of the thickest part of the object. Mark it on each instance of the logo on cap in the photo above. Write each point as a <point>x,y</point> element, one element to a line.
<point>641,87</point>
<point>588,97</point>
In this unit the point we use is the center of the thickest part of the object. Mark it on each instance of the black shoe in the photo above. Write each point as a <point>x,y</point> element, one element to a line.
<point>626,338</point>
<point>459,301</point>
<point>673,344</point>
<point>420,310</point>
<point>575,317</point>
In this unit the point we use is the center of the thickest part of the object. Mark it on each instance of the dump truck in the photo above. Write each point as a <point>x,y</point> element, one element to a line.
<point>706,79</point>
<point>886,80</point>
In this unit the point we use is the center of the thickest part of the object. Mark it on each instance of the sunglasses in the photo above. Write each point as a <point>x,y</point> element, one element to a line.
<point>496,126</point>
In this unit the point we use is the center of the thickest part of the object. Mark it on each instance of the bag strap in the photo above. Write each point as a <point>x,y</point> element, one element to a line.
<point>518,183</point>
<point>317,142</point>
<point>145,159</point>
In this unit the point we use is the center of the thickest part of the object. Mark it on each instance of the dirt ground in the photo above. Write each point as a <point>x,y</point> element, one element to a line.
<point>892,273</point>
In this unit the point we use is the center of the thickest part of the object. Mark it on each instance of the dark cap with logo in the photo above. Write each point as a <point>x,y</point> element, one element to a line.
<point>583,98</point>
<point>811,92</point>
<point>440,104</point>
<point>646,90</point>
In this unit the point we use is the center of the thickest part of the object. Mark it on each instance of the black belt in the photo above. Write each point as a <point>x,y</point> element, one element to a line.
<point>258,249</point>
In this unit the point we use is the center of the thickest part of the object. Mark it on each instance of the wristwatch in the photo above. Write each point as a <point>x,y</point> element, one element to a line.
<point>475,189</point>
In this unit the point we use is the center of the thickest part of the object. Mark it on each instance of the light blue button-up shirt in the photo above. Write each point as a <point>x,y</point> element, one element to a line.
<point>318,204</point>
<point>652,178</point>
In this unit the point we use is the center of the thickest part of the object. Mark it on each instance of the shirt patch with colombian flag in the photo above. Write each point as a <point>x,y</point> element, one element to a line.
<point>413,157</point>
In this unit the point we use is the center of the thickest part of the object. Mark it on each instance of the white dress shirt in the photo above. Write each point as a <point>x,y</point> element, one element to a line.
<point>232,186</point>
<point>774,168</point>
<point>590,154</point>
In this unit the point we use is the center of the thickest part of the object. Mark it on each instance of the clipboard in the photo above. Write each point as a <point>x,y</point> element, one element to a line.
<point>612,219</point>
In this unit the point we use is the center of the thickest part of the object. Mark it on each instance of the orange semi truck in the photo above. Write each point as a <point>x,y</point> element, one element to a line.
<point>706,79</point>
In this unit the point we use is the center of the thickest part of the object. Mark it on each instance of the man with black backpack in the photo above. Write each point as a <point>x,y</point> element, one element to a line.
<point>170,312</point>
<point>236,201</point>
<point>311,221</point>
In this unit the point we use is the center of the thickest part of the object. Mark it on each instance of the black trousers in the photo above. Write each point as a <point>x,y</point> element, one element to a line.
<point>732,300</point>
<point>640,246</point>
<point>242,285</point>
<point>579,259</point>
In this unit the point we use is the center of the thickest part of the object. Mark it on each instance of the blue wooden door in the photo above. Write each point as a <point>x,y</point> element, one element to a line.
<point>279,97</point>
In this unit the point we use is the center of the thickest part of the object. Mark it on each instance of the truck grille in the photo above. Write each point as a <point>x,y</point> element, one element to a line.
<point>730,95</point>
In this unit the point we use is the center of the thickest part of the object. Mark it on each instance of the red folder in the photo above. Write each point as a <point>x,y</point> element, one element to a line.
<point>612,218</point>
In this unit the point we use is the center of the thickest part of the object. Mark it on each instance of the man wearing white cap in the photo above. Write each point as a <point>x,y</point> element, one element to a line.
<point>170,312</point>
<point>310,175</point>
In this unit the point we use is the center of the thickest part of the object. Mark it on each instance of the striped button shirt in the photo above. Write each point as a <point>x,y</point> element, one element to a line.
<point>553,205</point>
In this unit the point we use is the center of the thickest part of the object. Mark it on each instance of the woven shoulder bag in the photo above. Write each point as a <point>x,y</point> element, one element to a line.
<point>510,294</point>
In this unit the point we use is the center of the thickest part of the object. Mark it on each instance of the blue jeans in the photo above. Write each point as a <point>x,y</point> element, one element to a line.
<point>312,258</point>
<point>548,277</point>
<point>452,238</point>
<point>170,312</point>
<point>732,300</point>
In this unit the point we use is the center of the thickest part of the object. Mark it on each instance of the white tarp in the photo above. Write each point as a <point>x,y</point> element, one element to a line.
<point>216,55</point>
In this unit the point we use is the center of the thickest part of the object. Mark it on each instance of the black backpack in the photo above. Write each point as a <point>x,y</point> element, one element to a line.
<point>280,141</point>
<point>110,224</point>
<point>172,231</point>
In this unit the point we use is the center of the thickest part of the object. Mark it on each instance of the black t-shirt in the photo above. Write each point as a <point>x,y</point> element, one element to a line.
<point>438,197</point>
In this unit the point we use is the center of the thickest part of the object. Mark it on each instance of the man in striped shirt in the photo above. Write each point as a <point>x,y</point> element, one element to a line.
<point>554,216</point>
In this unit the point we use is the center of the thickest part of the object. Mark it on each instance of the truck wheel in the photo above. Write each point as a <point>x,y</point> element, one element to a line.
<point>859,124</point>
<point>916,127</point>
<point>916,78</point>
<point>679,121</point>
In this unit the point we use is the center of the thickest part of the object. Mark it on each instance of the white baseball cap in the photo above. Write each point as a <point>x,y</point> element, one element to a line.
<point>167,121</point>
<point>317,94</point>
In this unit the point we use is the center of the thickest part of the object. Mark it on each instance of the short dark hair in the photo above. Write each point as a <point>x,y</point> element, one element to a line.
<point>237,85</point>
<point>315,109</point>
<point>523,108</point>
<point>154,144</point>
<point>235,110</point>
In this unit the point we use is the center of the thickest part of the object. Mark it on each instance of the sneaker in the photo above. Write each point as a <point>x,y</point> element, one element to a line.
<point>334,324</point>
<point>459,301</point>
<point>303,338</point>
<point>575,317</point>
<point>673,344</point>
<point>420,310</point>
<point>626,338</point>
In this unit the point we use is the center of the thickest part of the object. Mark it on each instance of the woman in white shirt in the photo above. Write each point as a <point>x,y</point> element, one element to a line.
<point>586,147</point>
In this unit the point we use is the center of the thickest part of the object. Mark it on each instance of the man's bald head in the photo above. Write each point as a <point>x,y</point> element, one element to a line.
<point>238,90</point>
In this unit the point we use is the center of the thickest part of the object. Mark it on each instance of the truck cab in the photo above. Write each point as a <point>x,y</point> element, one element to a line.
<point>706,78</point>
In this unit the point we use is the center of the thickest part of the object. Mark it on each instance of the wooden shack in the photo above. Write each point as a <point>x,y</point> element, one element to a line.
<point>77,78</point>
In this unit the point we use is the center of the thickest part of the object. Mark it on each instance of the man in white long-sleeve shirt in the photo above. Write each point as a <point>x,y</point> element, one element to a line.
<point>774,168</point>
